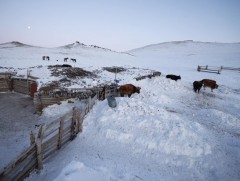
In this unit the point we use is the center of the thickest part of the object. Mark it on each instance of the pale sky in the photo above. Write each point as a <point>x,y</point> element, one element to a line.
<point>118,24</point>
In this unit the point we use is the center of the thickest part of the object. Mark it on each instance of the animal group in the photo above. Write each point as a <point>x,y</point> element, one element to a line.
<point>129,89</point>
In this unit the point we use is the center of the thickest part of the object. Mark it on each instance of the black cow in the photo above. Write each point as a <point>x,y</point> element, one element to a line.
<point>197,85</point>
<point>173,77</point>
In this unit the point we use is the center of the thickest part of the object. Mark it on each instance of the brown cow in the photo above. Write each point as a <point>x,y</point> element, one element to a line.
<point>128,89</point>
<point>209,83</point>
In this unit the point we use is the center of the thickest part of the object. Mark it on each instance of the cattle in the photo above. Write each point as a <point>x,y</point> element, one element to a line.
<point>128,89</point>
<point>173,77</point>
<point>65,59</point>
<point>209,83</point>
<point>197,85</point>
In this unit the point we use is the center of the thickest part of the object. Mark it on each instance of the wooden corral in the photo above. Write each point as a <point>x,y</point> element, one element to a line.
<point>23,85</point>
<point>50,138</point>
<point>20,85</point>
<point>5,82</point>
<point>43,99</point>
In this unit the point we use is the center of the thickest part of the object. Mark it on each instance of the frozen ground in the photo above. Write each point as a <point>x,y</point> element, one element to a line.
<point>167,132</point>
<point>17,118</point>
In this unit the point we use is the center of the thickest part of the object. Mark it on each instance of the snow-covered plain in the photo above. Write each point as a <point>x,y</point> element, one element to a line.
<point>167,132</point>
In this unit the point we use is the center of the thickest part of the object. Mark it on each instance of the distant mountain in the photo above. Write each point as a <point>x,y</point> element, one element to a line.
<point>14,44</point>
<point>82,45</point>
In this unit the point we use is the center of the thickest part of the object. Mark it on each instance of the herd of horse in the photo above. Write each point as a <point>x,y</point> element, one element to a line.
<point>64,59</point>
<point>129,89</point>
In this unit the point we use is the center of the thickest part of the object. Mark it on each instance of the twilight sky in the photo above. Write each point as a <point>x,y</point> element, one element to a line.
<point>118,24</point>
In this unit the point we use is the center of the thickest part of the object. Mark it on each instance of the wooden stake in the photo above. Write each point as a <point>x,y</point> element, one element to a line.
<point>39,148</point>
<point>32,138</point>
<point>60,133</point>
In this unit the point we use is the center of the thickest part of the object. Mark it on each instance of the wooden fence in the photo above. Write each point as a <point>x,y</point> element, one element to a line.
<point>217,70</point>
<point>24,86</point>
<point>230,68</point>
<point>209,69</point>
<point>5,82</point>
<point>41,100</point>
<point>51,137</point>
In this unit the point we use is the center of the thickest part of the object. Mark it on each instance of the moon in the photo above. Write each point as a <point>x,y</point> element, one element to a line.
<point>29,27</point>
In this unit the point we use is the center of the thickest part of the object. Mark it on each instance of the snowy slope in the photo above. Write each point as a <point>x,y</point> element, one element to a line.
<point>167,132</point>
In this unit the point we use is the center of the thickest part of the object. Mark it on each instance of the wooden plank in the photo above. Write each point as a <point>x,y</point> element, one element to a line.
<point>32,138</point>
<point>211,71</point>
<point>54,125</point>
<point>50,150</point>
<point>66,139</point>
<point>50,141</point>
<point>60,133</point>
<point>22,169</point>
<point>32,166</point>
<point>39,147</point>
<point>73,126</point>
<point>30,150</point>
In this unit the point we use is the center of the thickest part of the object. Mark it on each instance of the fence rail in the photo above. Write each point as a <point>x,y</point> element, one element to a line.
<point>230,68</point>
<point>50,138</point>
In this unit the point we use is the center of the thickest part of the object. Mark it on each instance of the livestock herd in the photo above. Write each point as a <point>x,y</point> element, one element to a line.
<point>64,59</point>
<point>129,89</point>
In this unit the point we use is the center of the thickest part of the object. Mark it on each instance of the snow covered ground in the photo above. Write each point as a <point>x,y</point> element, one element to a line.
<point>167,132</point>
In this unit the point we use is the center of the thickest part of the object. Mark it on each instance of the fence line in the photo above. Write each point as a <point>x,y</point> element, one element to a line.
<point>214,69</point>
<point>209,69</point>
<point>230,68</point>
<point>50,138</point>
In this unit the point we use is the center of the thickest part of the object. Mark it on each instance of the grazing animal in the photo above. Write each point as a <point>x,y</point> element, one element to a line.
<point>73,60</point>
<point>43,57</point>
<point>128,89</point>
<point>197,85</point>
<point>209,83</point>
<point>66,65</point>
<point>65,59</point>
<point>173,77</point>
<point>47,57</point>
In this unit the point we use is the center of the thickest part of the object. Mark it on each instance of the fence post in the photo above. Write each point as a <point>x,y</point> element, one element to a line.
<point>39,148</point>
<point>60,133</point>
<point>73,126</point>
<point>32,138</point>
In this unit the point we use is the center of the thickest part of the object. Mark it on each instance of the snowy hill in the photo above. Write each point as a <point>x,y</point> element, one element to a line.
<point>14,44</point>
<point>167,132</point>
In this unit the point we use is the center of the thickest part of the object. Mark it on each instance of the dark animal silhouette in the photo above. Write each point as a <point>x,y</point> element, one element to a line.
<point>197,85</point>
<point>65,59</point>
<point>209,83</point>
<point>66,65</point>
<point>173,77</point>
<point>128,89</point>
<point>46,57</point>
<point>73,59</point>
